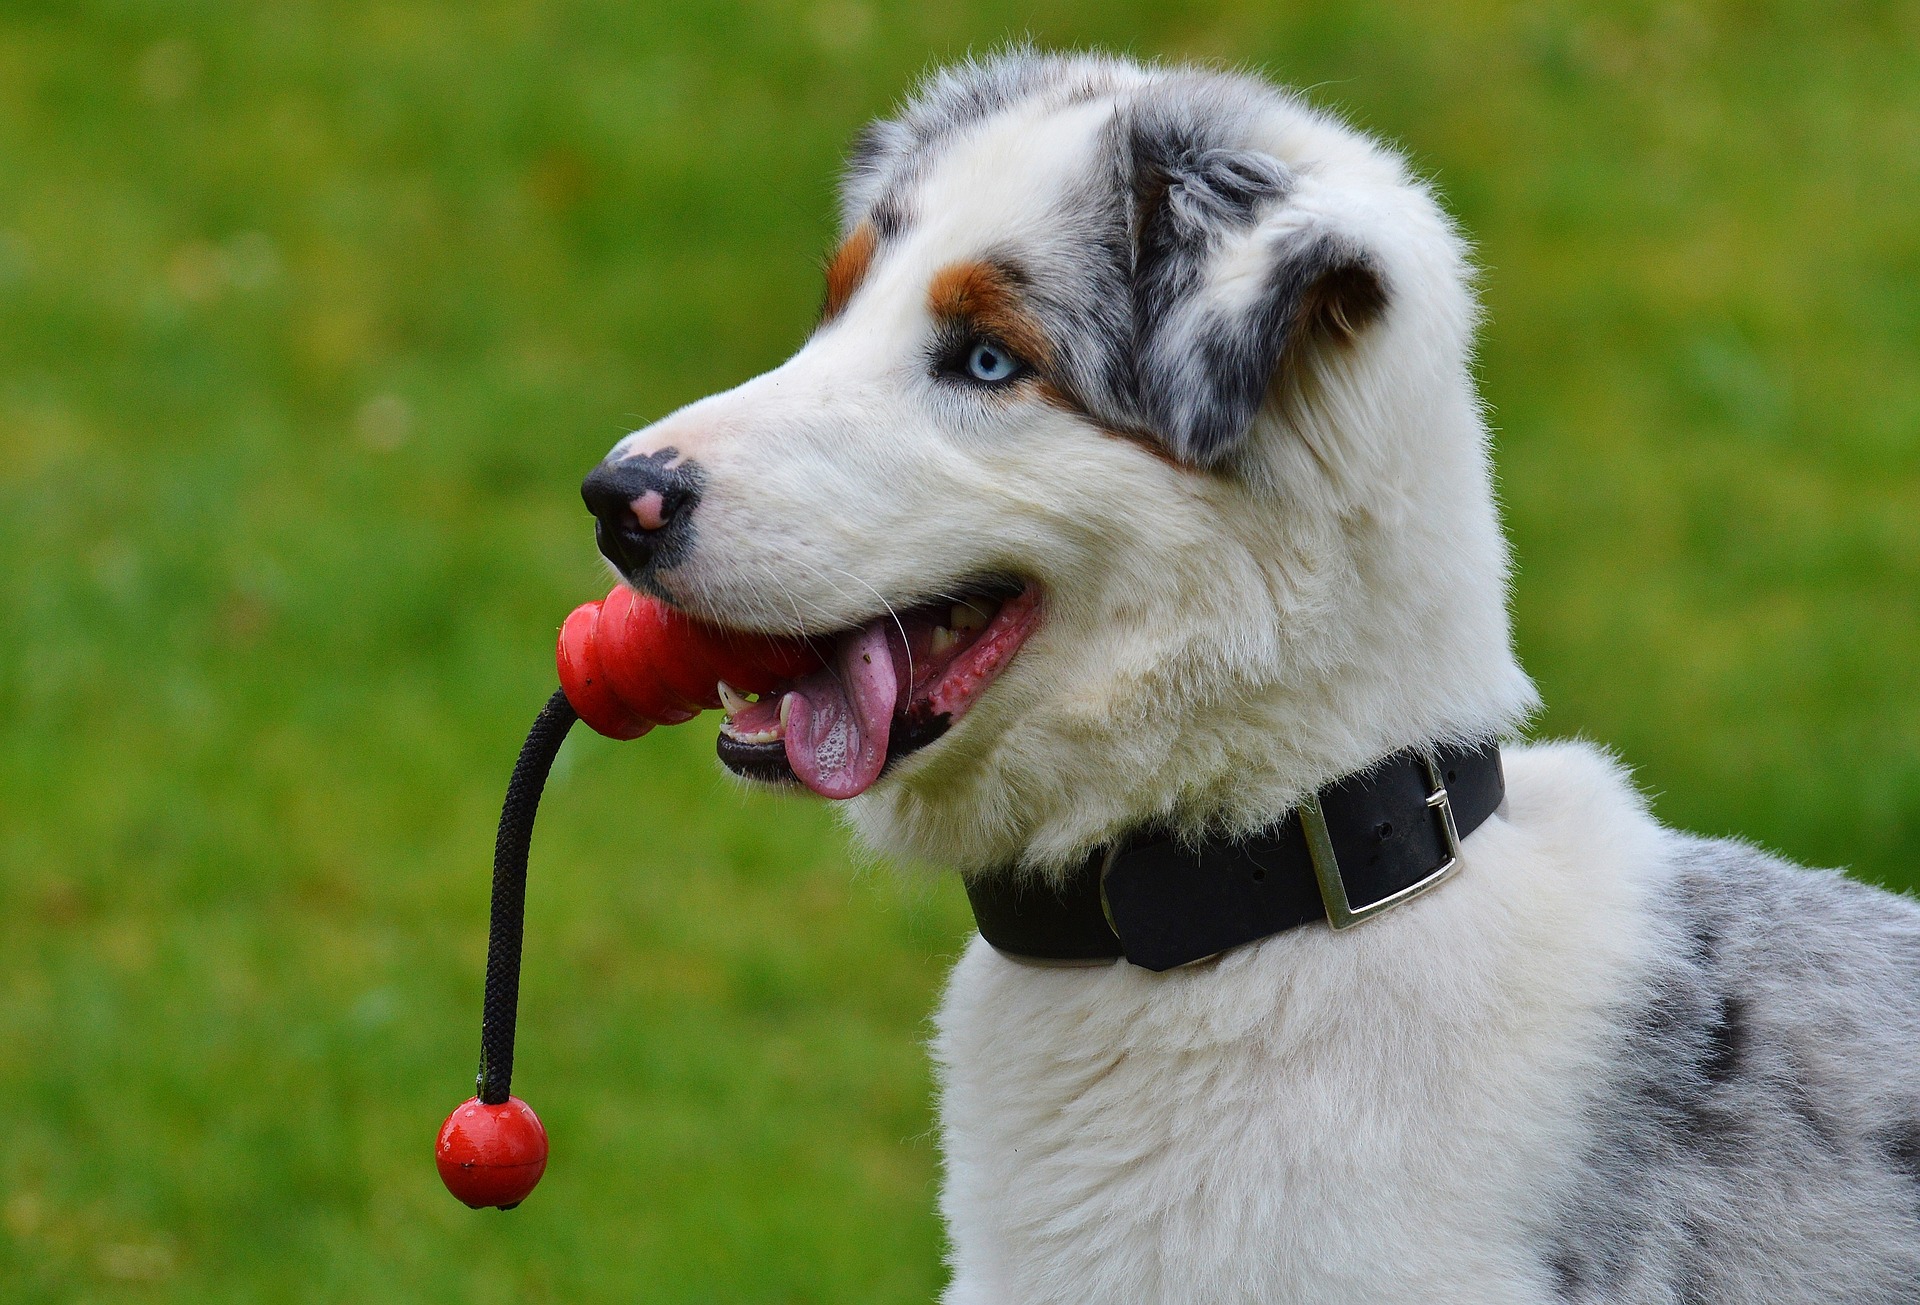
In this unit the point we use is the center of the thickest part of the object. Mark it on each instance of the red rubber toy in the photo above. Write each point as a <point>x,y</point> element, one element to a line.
<point>492,1155</point>
<point>630,662</point>
<point>627,663</point>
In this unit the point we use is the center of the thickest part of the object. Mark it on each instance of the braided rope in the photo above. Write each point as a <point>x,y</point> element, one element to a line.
<point>508,918</point>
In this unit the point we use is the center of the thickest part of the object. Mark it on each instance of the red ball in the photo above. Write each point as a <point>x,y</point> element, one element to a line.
<point>491,1155</point>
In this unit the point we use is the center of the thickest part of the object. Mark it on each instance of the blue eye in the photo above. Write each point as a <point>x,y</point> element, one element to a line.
<point>991,363</point>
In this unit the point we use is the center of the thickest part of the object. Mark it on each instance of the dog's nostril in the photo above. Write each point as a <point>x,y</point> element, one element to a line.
<point>650,510</point>
<point>1384,830</point>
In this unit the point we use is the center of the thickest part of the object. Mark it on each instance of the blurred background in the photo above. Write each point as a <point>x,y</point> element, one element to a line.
<point>313,315</point>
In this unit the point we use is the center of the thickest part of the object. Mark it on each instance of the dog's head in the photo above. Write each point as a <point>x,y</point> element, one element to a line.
<point>1133,471</point>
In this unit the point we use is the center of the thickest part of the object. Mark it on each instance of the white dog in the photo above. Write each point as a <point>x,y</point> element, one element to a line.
<point>1135,482</point>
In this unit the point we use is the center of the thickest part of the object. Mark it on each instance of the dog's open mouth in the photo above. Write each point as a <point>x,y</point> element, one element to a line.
<point>889,688</point>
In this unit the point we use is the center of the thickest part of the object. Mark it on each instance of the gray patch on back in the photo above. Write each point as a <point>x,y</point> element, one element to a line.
<point>1760,1138</point>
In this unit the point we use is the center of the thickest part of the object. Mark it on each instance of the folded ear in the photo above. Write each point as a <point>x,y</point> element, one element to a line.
<point>1229,289</point>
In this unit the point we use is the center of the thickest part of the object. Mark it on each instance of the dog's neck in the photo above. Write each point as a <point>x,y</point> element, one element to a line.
<point>1352,851</point>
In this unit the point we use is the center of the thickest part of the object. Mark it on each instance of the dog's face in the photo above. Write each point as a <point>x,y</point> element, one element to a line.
<point>1063,481</point>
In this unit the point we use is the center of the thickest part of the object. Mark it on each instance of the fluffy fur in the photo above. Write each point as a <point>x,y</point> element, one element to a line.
<point>1247,467</point>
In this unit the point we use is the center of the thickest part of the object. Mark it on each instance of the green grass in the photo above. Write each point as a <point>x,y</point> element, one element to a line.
<point>311,317</point>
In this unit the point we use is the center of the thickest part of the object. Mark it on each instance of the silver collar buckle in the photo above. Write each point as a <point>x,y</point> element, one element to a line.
<point>1341,913</point>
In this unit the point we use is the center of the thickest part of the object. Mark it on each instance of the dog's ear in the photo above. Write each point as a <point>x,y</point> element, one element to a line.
<point>1230,290</point>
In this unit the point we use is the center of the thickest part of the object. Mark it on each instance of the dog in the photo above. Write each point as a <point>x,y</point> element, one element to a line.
<point>1135,486</point>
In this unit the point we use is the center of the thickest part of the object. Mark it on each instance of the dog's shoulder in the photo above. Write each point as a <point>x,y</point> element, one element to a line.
<point>1757,1135</point>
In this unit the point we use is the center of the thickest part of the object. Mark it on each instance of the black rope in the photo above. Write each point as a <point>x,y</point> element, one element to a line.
<point>510,894</point>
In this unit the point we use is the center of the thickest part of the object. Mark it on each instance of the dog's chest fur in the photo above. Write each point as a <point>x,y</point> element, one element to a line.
<point>1421,1110</point>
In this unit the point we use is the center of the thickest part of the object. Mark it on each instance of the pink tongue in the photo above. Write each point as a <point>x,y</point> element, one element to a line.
<point>839,719</point>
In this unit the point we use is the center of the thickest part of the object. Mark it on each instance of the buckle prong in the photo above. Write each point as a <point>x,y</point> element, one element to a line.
<point>1341,913</point>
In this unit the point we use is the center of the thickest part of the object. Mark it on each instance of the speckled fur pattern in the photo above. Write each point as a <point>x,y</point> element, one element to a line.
<point>1606,1063</point>
<point>1757,1137</point>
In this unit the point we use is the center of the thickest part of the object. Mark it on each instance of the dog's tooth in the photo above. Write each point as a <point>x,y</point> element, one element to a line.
<point>966,617</point>
<point>731,700</point>
<point>943,640</point>
<point>786,709</point>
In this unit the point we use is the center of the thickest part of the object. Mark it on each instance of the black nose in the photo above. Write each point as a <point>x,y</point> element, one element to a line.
<point>641,508</point>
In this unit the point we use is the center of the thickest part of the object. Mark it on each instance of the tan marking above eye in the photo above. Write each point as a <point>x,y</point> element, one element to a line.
<point>848,268</point>
<point>985,299</point>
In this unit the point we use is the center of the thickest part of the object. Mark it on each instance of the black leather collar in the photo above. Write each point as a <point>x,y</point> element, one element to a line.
<point>1359,846</point>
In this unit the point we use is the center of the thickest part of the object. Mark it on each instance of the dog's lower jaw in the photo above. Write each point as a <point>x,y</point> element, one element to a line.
<point>1032,782</point>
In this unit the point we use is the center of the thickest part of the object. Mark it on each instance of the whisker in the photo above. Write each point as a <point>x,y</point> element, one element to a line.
<point>898,624</point>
